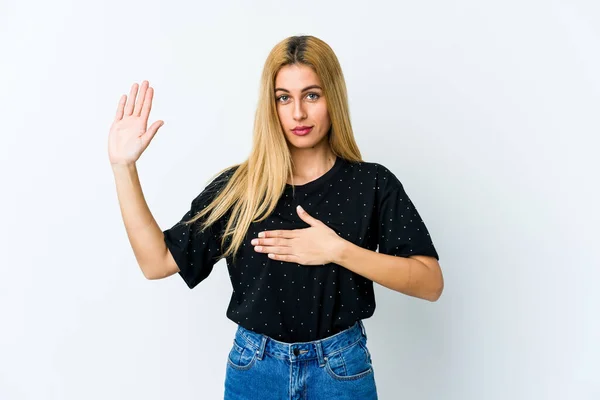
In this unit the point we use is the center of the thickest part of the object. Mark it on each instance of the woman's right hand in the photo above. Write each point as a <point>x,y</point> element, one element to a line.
<point>129,135</point>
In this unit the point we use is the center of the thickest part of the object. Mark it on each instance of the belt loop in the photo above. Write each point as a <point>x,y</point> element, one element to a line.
<point>320,357</point>
<point>261,350</point>
<point>362,328</point>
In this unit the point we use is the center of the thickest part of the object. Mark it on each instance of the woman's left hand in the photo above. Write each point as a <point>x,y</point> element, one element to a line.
<point>316,245</point>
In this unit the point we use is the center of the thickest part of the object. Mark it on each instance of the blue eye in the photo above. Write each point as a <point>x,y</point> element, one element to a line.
<point>281,98</point>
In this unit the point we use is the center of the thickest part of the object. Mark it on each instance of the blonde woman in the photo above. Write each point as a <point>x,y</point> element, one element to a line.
<point>298,222</point>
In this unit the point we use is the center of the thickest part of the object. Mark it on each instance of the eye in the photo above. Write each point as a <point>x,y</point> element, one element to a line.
<point>284,97</point>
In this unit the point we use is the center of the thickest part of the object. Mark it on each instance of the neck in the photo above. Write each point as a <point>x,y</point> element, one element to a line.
<point>309,164</point>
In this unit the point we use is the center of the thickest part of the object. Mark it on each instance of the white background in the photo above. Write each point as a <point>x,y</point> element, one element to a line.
<point>488,112</point>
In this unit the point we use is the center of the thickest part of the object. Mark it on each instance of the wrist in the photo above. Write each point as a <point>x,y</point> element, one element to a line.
<point>123,167</point>
<point>340,252</point>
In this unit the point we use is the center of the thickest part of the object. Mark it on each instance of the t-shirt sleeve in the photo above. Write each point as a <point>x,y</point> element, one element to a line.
<point>402,231</point>
<point>195,251</point>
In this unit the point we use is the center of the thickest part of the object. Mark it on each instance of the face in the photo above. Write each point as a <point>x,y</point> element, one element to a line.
<point>300,103</point>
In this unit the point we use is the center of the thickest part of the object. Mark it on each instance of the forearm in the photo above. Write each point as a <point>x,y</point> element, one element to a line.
<point>402,274</point>
<point>145,236</point>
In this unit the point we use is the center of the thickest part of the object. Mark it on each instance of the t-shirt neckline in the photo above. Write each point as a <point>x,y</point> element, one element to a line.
<point>318,181</point>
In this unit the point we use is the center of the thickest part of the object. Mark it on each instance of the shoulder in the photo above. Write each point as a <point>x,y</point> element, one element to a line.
<point>217,183</point>
<point>381,176</point>
<point>222,177</point>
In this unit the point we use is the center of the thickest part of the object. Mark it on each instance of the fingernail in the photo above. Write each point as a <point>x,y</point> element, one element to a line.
<point>300,207</point>
<point>261,234</point>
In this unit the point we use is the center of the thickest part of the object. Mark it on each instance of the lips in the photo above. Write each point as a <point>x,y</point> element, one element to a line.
<point>301,131</point>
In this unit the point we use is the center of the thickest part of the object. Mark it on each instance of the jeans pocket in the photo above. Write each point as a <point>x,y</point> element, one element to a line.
<point>363,344</point>
<point>241,356</point>
<point>351,363</point>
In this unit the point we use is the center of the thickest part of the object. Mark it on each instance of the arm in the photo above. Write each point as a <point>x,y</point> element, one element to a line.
<point>417,276</point>
<point>145,236</point>
<point>128,137</point>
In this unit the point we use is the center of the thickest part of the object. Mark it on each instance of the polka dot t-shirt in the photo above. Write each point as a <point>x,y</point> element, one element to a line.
<point>363,202</point>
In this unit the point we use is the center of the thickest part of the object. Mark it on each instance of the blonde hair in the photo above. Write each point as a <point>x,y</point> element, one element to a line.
<point>256,185</point>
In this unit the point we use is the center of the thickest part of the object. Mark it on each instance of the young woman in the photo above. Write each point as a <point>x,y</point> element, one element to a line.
<point>298,223</point>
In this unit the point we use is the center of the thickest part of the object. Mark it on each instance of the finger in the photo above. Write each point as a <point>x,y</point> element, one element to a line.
<point>147,104</point>
<point>120,107</point>
<point>141,98</point>
<point>272,242</point>
<point>306,217</point>
<point>149,134</point>
<point>273,249</point>
<point>282,233</point>
<point>284,257</point>
<point>131,100</point>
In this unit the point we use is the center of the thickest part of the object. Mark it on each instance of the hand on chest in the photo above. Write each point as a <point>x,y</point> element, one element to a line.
<point>351,217</point>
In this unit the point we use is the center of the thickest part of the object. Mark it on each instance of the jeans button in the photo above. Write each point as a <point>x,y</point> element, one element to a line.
<point>296,352</point>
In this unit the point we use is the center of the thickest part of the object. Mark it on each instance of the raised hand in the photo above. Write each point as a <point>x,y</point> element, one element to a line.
<point>129,135</point>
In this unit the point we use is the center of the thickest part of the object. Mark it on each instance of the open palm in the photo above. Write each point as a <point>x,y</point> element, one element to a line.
<point>129,135</point>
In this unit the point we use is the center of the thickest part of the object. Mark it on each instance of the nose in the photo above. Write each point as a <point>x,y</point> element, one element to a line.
<point>299,112</point>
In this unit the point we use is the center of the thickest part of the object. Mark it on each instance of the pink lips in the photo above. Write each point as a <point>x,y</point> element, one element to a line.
<point>302,131</point>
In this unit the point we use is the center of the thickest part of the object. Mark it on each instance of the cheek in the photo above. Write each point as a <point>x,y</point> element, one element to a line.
<point>283,116</point>
<point>322,115</point>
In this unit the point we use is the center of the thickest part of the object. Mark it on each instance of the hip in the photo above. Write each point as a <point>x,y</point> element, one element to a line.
<point>339,366</point>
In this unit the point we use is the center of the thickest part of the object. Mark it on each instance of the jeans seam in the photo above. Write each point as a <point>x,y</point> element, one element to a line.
<point>342,349</point>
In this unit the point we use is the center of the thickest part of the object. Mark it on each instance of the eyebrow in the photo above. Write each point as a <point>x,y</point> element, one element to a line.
<point>303,90</point>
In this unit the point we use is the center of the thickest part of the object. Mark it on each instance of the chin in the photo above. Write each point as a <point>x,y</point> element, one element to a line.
<point>304,142</point>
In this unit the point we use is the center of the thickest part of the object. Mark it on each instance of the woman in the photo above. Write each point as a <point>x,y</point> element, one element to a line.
<point>298,223</point>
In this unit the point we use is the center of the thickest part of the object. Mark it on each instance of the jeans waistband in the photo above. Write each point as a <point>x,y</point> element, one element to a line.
<point>317,349</point>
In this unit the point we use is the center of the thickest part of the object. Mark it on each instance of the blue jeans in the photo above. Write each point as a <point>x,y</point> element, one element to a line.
<point>337,367</point>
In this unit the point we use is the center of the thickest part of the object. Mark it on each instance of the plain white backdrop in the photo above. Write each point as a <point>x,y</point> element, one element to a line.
<point>488,112</point>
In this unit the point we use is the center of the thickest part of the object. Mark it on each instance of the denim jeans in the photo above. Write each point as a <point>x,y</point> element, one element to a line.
<point>337,367</point>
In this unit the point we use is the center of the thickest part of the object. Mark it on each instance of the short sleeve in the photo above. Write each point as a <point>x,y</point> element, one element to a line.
<point>195,251</point>
<point>402,231</point>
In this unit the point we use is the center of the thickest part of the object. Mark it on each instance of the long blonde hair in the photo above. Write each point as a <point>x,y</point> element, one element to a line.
<point>255,187</point>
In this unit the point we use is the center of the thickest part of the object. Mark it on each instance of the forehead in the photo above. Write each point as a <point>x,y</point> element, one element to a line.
<point>296,77</point>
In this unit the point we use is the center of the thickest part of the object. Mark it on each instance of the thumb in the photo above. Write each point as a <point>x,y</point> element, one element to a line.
<point>152,131</point>
<point>306,217</point>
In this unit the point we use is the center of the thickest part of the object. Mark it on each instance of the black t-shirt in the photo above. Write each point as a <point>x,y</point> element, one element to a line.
<point>363,202</point>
